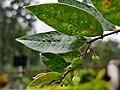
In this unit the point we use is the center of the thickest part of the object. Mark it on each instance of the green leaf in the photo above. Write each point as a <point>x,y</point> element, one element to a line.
<point>54,62</point>
<point>70,55</point>
<point>101,74</point>
<point>76,63</point>
<point>107,26</point>
<point>53,42</point>
<point>67,19</point>
<point>110,9</point>
<point>44,80</point>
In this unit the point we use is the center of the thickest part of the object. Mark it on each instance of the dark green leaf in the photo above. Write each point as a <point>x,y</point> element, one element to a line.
<point>76,63</point>
<point>110,9</point>
<point>53,42</point>
<point>54,62</point>
<point>70,55</point>
<point>45,79</point>
<point>107,26</point>
<point>67,19</point>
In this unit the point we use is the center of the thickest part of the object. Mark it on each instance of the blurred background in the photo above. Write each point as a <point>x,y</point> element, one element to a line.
<point>16,22</point>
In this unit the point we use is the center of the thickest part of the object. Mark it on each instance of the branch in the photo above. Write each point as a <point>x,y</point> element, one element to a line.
<point>64,75</point>
<point>101,37</point>
<point>89,42</point>
<point>81,67</point>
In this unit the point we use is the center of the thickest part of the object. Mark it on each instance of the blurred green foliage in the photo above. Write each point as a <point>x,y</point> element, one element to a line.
<point>106,50</point>
<point>16,22</point>
<point>88,81</point>
<point>94,85</point>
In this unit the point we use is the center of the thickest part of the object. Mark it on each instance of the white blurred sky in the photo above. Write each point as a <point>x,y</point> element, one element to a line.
<point>42,27</point>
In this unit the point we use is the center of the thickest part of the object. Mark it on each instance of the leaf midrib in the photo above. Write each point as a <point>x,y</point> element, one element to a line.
<point>48,42</point>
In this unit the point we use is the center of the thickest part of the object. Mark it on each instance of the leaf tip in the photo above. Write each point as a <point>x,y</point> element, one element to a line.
<point>17,39</point>
<point>25,7</point>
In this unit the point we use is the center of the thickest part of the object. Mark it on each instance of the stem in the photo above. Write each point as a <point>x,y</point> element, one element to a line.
<point>88,47</point>
<point>64,75</point>
<point>83,53</point>
<point>101,37</point>
<point>81,67</point>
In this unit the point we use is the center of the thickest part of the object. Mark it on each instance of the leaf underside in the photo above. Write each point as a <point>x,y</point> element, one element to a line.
<point>110,9</point>
<point>53,42</point>
<point>107,26</point>
<point>45,79</point>
<point>67,19</point>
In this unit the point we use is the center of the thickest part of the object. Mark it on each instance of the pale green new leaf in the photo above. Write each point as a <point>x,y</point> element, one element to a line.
<point>70,55</point>
<point>101,74</point>
<point>54,62</point>
<point>53,42</point>
<point>110,9</point>
<point>77,62</point>
<point>107,26</point>
<point>67,19</point>
<point>44,80</point>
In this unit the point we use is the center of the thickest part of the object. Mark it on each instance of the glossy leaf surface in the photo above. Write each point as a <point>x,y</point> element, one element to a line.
<point>54,62</point>
<point>110,9</point>
<point>107,26</point>
<point>67,19</point>
<point>53,42</point>
<point>44,80</point>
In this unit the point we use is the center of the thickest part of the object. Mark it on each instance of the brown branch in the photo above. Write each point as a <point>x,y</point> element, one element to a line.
<point>83,53</point>
<point>64,75</point>
<point>101,37</point>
